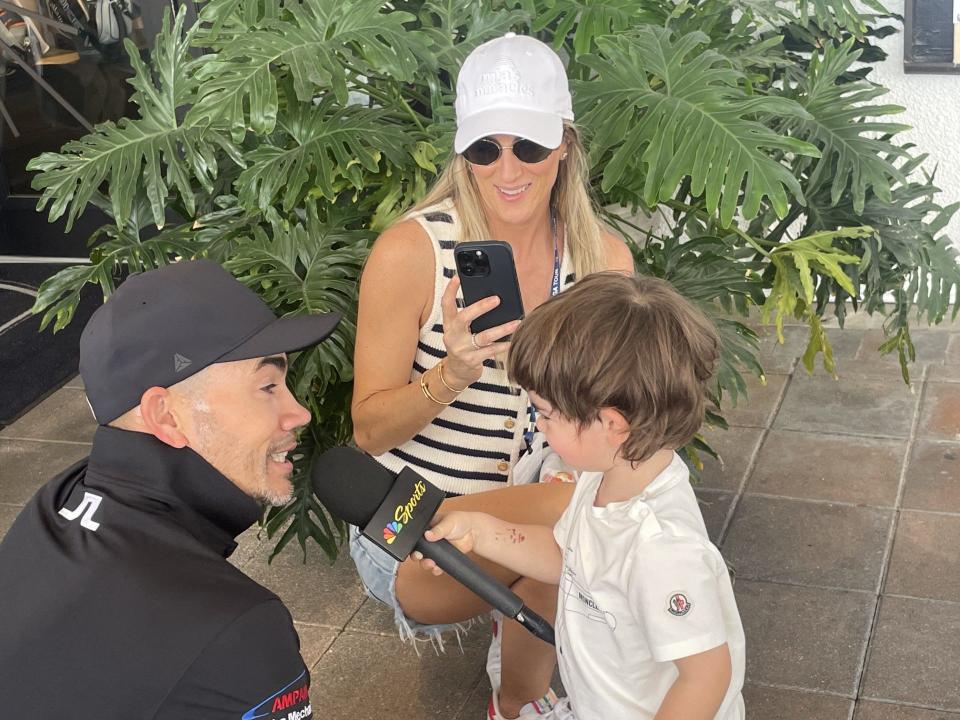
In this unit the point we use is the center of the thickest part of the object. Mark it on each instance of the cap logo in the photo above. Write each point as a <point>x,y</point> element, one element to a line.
<point>180,362</point>
<point>503,79</point>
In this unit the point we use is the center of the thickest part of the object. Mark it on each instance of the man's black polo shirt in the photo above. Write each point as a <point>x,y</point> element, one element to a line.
<point>116,599</point>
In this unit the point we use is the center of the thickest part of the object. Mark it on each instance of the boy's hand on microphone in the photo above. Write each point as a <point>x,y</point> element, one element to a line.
<point>460,529</point>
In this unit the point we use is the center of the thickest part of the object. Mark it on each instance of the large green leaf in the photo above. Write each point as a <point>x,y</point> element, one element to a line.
<point>321,43</point>
<point>310,267</point>
<point>909,256</point>
<point>841,120</point>
<point>833,15</point>
<point>455,28</point>
<point>120,250</point>
<point>325,143</point>
<point>668,111</point>
<point>586,20</point>
<point>153,151</point>
<point>795,262</point>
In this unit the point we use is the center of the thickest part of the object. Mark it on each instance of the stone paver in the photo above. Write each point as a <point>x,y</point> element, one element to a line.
<point>248,542</point>
<point>777,358</point>
<point>845,343</point>
<point>371,676</point>
<point>25,465</point>
<point>824,544</point>
<point>953,350</point>
<point>373,617</point>
<point>736,448</point>
<point>315,592</point>
<point>878,367</point>
<point>944,373</point>
<point>913,655</point>
<point>714,505</point>
<point>933,477</point>
<point>925,562</point>
<point>757,407</point>
<point>766,703</point>
<point>829,467</point>
<point>940,412</point>
<point>315,640</point>
<point>871,406</point>
<point>475,706</point>
<point>886,711</point>
<point>804,637</point>
<point>930,346</point>
<point>64,415</point>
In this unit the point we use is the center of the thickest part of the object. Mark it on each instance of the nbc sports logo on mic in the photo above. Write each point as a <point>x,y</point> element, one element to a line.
<point>391,531</point>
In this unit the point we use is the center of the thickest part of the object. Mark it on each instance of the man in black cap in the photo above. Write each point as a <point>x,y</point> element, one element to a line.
<point>116,599</point>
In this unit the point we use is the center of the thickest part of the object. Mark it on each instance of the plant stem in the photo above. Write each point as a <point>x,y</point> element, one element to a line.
<point>776,234</point>
<point>703,215</point>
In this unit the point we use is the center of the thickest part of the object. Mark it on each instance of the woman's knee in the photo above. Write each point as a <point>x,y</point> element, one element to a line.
<point>430,599</point>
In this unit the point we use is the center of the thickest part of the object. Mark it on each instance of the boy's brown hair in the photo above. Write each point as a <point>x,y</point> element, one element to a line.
<point>631,343</point>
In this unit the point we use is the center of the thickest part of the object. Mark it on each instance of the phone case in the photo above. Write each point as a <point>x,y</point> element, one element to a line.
<point>501,281</point>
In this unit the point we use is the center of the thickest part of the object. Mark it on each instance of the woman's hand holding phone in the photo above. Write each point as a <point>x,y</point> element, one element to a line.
<point>466,351</point>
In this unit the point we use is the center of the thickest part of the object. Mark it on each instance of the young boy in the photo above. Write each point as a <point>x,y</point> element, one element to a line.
<point>647,625</point>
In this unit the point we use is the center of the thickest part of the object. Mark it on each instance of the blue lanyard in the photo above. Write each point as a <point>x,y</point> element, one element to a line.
<point>555,285</point>
<point>554,291</point>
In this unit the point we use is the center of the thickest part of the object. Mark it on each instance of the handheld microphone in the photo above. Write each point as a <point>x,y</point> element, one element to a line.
<point>394,511</point>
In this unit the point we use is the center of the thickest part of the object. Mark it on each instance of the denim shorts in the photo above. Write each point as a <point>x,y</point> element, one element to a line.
<point>378,573</point>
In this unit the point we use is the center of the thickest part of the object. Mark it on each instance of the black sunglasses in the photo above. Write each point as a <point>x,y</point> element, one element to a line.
<point>487,151</point>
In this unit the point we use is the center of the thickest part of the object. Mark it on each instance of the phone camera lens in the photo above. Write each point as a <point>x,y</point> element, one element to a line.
<point>468,269</point>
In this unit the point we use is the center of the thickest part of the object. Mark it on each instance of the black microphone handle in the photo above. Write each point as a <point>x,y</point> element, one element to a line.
<point>466,572</point>
<point>536,624</point>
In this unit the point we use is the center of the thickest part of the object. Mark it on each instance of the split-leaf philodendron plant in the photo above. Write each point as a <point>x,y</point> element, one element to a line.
<point>278,137</point>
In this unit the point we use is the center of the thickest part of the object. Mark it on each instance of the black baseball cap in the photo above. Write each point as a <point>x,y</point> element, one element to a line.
<point>164,325</point>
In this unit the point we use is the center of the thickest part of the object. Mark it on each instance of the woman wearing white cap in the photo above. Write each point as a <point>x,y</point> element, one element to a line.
<point>430,394</point>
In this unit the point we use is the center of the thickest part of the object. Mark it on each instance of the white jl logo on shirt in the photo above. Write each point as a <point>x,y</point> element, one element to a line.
<point>87,507</point>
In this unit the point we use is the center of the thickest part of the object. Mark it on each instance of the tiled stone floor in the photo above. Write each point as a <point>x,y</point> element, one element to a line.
<point>838,505</point>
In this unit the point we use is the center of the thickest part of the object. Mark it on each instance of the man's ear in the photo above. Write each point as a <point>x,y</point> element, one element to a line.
<point>615,424</point>
<point>159,419</point>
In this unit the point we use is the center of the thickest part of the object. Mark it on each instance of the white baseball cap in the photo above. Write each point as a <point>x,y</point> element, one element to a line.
<point>512,85</point>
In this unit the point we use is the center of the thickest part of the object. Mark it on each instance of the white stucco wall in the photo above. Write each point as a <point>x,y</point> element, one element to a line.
<point>932,105</point>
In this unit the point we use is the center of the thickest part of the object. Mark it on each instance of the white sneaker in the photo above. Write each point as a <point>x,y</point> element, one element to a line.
<point>542,708</point>
<point>563,711</point>
<point>545,707</point>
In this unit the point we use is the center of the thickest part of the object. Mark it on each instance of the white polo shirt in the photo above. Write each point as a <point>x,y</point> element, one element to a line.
<point>642,585</point>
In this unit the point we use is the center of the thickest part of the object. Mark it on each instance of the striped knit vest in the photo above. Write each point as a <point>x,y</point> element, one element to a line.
<point>473,444</point>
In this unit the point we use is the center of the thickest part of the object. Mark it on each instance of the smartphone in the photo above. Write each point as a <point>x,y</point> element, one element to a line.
<point>486,268</point>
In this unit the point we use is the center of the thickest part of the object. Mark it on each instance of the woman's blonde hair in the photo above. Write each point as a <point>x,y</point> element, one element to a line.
<point>569,200</point>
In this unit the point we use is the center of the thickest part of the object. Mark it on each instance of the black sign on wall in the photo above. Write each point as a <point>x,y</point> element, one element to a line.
<point>928,37</point>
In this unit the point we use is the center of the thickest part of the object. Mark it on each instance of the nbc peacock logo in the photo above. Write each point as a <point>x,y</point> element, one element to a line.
<point>391,531</point>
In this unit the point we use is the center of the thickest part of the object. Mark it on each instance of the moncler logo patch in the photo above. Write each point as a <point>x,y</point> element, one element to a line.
<point>679,604</point>
<point>180,362</point>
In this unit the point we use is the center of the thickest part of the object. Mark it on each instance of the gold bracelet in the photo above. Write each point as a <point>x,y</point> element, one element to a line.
<point>428,394</point>
<point>447,385</point>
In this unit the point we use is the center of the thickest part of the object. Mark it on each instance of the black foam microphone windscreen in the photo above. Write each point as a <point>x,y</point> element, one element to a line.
<point>351,485</point>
